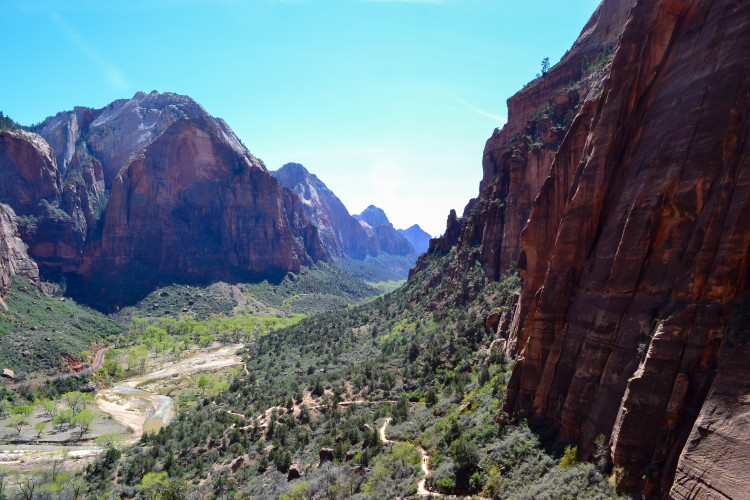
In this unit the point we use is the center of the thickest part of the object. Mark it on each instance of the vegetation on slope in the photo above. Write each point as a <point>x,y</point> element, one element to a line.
<point>317,392</point>
<point>39,329</point>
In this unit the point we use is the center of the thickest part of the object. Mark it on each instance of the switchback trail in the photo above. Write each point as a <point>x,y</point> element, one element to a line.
<point>422,490</point>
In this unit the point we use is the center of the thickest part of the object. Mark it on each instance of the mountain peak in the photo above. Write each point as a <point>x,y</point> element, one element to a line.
<point>373,216</point>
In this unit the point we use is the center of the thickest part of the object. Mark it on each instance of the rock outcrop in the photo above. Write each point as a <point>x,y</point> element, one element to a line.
<point>340,233</point>
<point>373,216</point>
<point>146,191</point>
<point>191,207</point>
<point>622,190</point>
<point>383,236</point>
<point>118,131</point>
<point>14,260</point>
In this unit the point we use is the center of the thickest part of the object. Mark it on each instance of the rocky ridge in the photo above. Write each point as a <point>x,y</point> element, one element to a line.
<point>340,233</point>
<point>382,233</point>
<point>418,237</point>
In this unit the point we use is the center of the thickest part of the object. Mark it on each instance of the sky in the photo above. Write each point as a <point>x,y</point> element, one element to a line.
<point>388,102</point>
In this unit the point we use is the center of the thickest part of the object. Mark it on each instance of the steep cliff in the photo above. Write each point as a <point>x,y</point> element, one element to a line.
<point>628,220</point>
<point>14,260</point>
<point>115,133</point>
<point>340,233</point>
<point>191,208</point>
<point>148,190</point>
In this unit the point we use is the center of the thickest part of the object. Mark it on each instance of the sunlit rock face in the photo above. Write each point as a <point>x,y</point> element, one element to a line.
<point>340,233</point>
<point>191,207</point>
<point>628,219</point>
<point>147,191</point>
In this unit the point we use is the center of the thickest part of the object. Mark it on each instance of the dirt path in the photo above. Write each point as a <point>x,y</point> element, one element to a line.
<point>140,409</point>
<point>422,490</point>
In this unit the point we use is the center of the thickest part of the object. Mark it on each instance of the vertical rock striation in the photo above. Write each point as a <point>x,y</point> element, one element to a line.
<point>621,185</point>
<point>340,233</point>
<point>14,260</point>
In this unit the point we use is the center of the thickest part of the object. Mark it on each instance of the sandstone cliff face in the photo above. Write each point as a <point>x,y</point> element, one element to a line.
<point>636,247</point>
<point>13,257</point>
<point>28,172</point>
<point>189,207</point>
<point>517,158</point>
<point>149,190</point>
<point>629,222</point>
<point>118,131</point>
<point>340,233</point>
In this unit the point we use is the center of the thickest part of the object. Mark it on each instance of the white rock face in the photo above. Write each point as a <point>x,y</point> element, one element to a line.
<point>13,257</point>
<point>116,133</point>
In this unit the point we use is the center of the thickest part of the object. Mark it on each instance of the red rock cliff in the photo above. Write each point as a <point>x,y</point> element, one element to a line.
<point>635,254</point>
<point>190,207</point>
<point>622,189</point>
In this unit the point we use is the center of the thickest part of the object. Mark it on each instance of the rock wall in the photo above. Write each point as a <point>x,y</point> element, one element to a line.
<point>340,233</point>
<point>13,257</point>
<point>636,249</point>
<point>622,191</point>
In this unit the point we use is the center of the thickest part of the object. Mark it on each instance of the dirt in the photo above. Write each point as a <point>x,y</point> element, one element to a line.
<point>141,409</point>
<point>135,408</point>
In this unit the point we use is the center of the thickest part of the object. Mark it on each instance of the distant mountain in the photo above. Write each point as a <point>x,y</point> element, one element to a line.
<point>373,216</point>
<point>418,237</point>
<point>379,228</point>
<point>340,233</point>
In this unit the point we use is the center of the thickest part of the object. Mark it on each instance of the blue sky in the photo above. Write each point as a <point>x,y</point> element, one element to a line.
<point>389,102</point>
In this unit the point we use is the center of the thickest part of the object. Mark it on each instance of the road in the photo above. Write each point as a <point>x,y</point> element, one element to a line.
<point>99,358</point>
<point>98,362</point>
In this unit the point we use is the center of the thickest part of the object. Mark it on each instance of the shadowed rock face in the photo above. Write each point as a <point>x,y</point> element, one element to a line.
<point>630,224</point>
<point>340,233</point>
<point>189,207</point>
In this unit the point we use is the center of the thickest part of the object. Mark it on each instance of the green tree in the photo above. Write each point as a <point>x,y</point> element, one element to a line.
<point>39,427</point>
<point>545,65</point>
<point>77,401</point>
<point>137,357</point>
<point>83,421</point>
<point>18,422</point>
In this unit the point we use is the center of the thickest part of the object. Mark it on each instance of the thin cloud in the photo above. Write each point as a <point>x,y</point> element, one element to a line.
<point>501,119</point>
<point>111,73</point>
